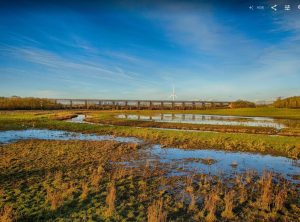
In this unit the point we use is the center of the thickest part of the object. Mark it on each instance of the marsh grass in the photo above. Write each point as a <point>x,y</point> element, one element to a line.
<point>229,205</point>
<point>210,206</point>
<point>41,183</point>
<point>110,199</point>
<point>156,212</point>
<point>266,190</point>
<point>280,197</point>
<point>96,178</point>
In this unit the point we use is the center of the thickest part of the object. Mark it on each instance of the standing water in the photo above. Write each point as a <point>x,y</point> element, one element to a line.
<point>184,160</point>
<point>224,162</point>
<point>208,119</point>
<point>45,134</point>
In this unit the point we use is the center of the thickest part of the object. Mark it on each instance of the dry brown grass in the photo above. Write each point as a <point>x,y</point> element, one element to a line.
<point>156,212</point>
<point>280,198</point>
<point>66,172</point>
<point>57,191</point>
<point>110,200</point>
<point>85,190</point>
<point>96,178</point>
<point>190,191</point>
<point>243,194</point>
<point>210,206</point>
<point>228,199</point>
<point>142,190</point>
<point>266,190</point>
<point>55,198</point>
<point>6,214</point>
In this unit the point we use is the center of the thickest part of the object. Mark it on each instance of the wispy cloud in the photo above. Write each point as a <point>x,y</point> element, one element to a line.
<point>77,66</point>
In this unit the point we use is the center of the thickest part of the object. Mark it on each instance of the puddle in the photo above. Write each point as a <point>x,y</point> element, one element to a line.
<point>225,162</point>
<point>209,119</point>
<point>78,119</point>
<point>44,134</point>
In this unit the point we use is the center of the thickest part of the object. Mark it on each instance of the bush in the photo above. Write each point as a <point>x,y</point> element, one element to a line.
<point>242,104</point>
<point>290,102</point>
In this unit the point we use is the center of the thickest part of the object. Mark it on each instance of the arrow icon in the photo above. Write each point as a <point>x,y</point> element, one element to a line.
<point>274,7</point>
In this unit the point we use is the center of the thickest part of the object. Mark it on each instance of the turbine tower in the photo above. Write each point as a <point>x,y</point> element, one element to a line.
<point>173,95</point>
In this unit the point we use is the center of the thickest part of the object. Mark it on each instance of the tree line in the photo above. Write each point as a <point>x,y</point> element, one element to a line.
<point>15,103</point>
<point>242,104</point>
<point>31,103</point>
<point>290,102</point>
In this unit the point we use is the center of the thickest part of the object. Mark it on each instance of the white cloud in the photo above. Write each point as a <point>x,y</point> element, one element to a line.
<point>56,63</point>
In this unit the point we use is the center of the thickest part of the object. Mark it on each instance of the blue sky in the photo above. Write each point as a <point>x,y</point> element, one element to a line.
<point>138,51</point>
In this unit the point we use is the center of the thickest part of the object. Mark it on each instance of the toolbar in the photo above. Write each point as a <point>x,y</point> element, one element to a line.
<point>274,7</point>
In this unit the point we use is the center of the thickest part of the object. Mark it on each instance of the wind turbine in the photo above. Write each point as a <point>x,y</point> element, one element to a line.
<point>173,95</point>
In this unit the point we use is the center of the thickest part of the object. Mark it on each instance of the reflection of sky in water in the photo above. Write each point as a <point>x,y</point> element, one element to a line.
<point>78,119</point>
<point>176,156</point>
<point>208,119</point>
<point>245,161</point>
<point>14,135</point>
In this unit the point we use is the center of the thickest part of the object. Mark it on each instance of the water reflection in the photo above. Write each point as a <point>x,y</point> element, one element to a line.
<point>182,160</point>
<point>78,119</point>
<point>187,160</point>
<point>209,119</point>
<point>44,134</point>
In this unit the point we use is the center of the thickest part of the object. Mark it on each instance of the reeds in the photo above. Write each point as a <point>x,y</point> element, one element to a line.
<point>156,212</point>
<point>210,205</point>
<point>265,199</point>
<point>228,199</point>
<point>190,191</point>
<point>70,187</point>
<point>243,194</point>
<point>280,197</point>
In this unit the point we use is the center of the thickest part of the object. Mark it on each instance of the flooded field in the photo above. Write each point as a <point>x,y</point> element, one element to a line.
<point>62,169</point>
<point>224,163</point>
<point>44,134</point>
<point>181,160</point>
<point>209,119</point>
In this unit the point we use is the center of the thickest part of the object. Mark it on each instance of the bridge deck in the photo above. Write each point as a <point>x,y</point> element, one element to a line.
<point>138,104</point>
